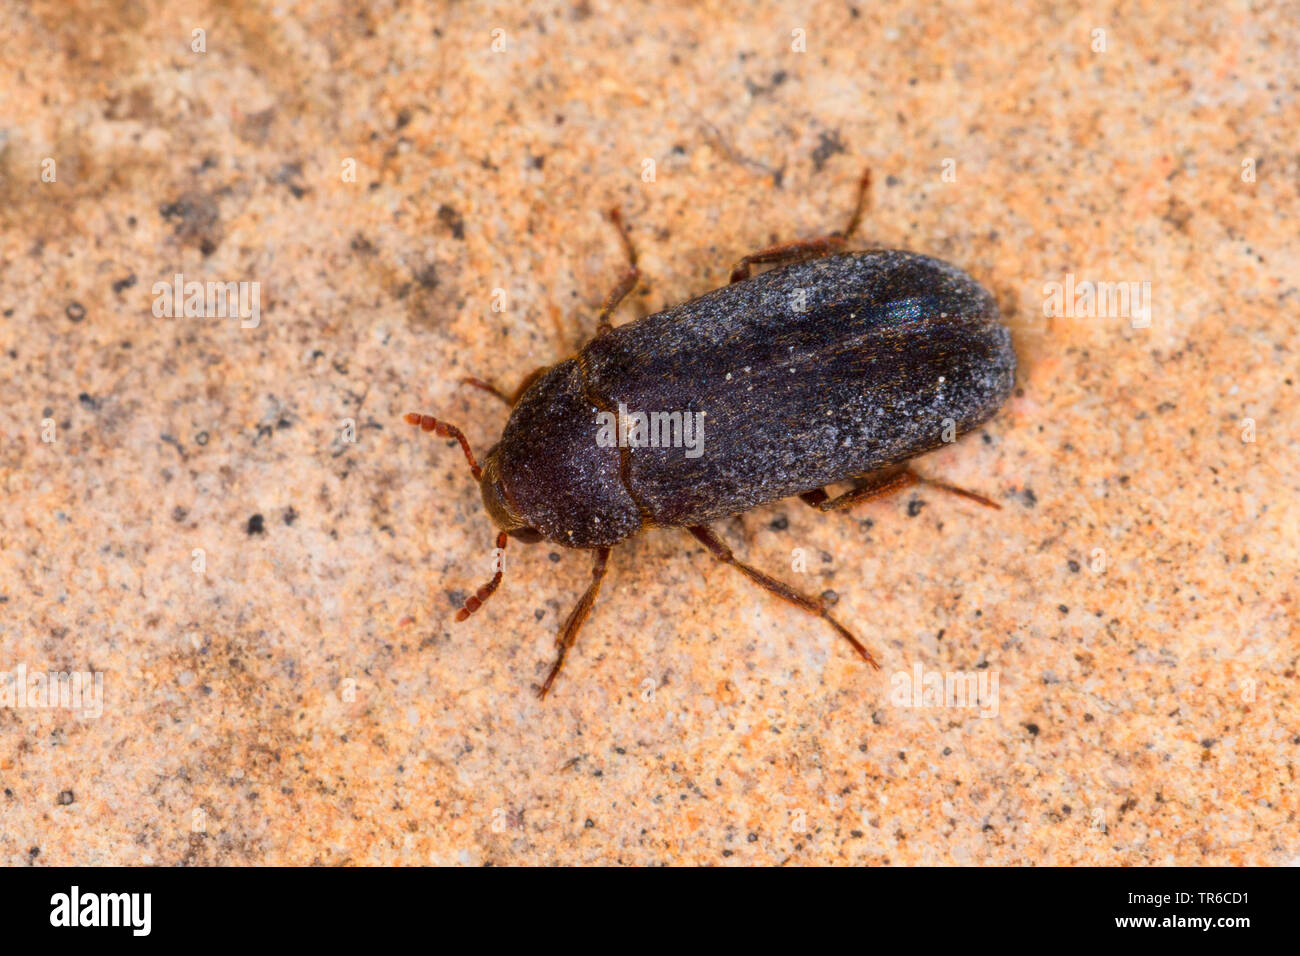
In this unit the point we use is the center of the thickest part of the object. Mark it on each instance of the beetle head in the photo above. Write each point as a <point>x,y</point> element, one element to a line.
<point>496,499</point>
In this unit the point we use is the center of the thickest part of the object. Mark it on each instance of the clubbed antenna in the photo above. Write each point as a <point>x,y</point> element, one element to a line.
<point>486,591</point>
<point>430,424</point>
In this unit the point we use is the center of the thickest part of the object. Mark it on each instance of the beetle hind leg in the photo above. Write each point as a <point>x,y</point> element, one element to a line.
<point>718,547</point>
<point>569,633</point>
<point>880,484</point>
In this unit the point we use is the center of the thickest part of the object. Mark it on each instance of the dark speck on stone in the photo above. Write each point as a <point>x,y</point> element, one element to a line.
<point>179,513</point>
<point>452,220</point>
<point>779,523</point>
<point>829,145</point>
<point>290,515</point>
<point>1029,497</point>
<point>75,311</point>
<point>88,401</point>
<point>427,276</point>
<point>256,525</point>
<point>66,797</point>
<point>1073,566</point>
<point>1033,729</point>
<point>554,556</point>
<point>1063,609</point>
<point>914,507</point>
<point>590,823</point>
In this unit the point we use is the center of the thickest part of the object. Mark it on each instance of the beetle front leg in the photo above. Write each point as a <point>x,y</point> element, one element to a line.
<point>569,633</point>
<point>626,283</point>
<point>710,540</point>
<point>510,400</point>
<point>807,248</point>
<point>488,387</point>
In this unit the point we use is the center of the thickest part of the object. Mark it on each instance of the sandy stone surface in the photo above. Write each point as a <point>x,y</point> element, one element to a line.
<point>231,525</point>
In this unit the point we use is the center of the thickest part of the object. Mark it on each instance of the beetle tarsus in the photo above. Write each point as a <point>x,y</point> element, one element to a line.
<point>877,486</point>
<point>626,283</point>
<point>569,633</point>
<point>953,489</point>
<point>718,547</point>
<point>860,206</point>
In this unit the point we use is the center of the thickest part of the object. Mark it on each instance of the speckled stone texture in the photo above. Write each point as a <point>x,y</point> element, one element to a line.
<point>234,527</point>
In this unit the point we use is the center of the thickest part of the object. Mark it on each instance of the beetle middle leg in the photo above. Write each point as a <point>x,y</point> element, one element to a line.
<point>807,248</point>
<point>710,540</point>
<point>880,484</point>
<point>569,633</point>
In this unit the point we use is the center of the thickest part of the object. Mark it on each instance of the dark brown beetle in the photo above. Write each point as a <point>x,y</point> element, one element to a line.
<point>834,367</point>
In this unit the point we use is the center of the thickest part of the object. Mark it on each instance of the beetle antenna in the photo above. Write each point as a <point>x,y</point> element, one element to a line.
<point>430,424</point>
<point>486,591</point>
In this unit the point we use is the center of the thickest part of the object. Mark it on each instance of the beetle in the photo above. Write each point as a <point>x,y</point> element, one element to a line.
<point>832,366</point>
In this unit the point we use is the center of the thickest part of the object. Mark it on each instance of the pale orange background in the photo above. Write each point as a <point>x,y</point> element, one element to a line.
<point>308,694</point>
